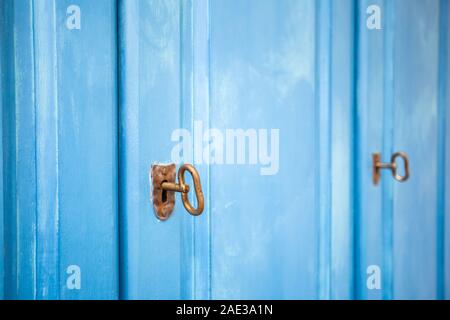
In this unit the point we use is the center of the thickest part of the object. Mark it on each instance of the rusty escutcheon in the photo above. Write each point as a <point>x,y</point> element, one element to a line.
<point>164,188</point>
<point>163,200</point>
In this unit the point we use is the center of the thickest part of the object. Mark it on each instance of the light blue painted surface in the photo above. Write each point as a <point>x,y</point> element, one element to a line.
<point>342,151</point>
<point>441,164</point>
<point>445,104</point>
<point>2,86</point>
<point>337,91</point>
<point>415,129</point>
<point>402,76</point>
<point>222,63</point>
<point>153,264</point>
<point>369,135</point>
<point>19,167</point>
<point>443,158</point>
<point>60,155</point>
<point>274,240</point>
<point>88,149</point>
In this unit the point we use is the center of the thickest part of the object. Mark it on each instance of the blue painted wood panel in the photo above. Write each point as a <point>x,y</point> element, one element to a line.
<point>277,239</point>
<point>445,127</point>
<point>2,190</point>
<point>87,152</point>
<point>402,105</point>
<point>239,65</point>
<point>154,264</point>
<point>19,150</point>
<point>86,111</point>
<point>343,106</point>
<point>59,112</point>
<point>264,246</point>
<point>414,112</point>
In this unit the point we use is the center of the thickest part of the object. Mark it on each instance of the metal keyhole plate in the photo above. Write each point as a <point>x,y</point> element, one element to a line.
<point>163,204</point>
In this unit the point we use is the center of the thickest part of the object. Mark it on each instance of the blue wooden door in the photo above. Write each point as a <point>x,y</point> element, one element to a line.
<point>313,89</point>
<point>402,105</point>
<point>278,218</point>
<point>279,104</point>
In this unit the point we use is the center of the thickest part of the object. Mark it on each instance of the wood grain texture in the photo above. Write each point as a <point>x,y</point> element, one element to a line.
<point>246,64</point>
<point>59,109</point>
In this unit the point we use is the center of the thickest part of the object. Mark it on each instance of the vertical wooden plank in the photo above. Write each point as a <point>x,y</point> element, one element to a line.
<point>128,127</point>
<point>47,166</point>
<point>87,155</point>
<point>264,231</point>
<point>323,84</point>
<point>225,82</point>
<point>442,171</point>
<point>334,82</point>
<point>368,132</point>
<point>189,255</point>
<point>390,10</point>
<point>342,112</point>
<point>2,190</point>
<point>201,103</point>
<point>5,70</point>
<point>409,253</point>
<point>446,248</point>
<point>25,150</point>
<point>153,261</point>
<point>19,153</point>
<point>416,132</point>
<point>60,150</point>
